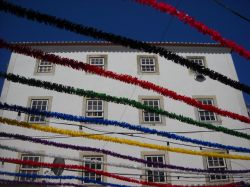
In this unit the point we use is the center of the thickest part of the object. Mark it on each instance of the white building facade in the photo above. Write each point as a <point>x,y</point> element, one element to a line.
<point>150,67</point>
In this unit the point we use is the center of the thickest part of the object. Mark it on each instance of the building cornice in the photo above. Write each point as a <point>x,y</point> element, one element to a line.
<point>104,43</point>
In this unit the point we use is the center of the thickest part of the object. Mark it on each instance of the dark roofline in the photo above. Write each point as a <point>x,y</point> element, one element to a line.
<point>104,43</point>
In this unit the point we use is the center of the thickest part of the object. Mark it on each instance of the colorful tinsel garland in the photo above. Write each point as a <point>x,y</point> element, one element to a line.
<point>119,140</point>
<point>35,183</point>
<point>185,18</point>
<point>113,164</point>
<point>65,177</point>
<point>114,154</point>
<point>116,39</point>
<point>121,77</point>
<point>120,100</point>
<point>99,172</point>
<point>137,127</point>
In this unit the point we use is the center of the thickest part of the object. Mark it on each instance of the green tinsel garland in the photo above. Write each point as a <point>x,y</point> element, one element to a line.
<point>119,100</point>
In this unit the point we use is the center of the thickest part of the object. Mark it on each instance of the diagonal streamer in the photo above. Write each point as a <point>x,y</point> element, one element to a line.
<point>114,154</point>
<point>116,39</point>
<point>185,18</point>
<point>120,100</point>
<point>120,165</point>
<point>70,177</point>
<point>121,77</point>
<point>139,128</point>
<point>119,140</point>
<point>65,177</point>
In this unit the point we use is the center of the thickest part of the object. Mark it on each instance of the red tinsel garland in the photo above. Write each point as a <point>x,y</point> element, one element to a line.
<point>184,17</point>
<point>121,77</point>
<point>49,165</point>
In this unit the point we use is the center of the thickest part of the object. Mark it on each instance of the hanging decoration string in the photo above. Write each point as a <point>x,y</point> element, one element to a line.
<point>99,172</point>
<point>120,165</point>
<point>35,183</point>
<point>119,140</point>
<point>232,11</point>
<point>65,177</point>
<point>122,77</point>
<point>78,167</point>
<point>137,127</point>
<point>114,154</point>
<point>185,18</point>
<point>120,100</point>
<point>70,177</point>
<point>116,39</point>
<point>81,167</point>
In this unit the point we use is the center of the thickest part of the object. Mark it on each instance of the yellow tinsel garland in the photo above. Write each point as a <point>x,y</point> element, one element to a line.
<point>119,140</point>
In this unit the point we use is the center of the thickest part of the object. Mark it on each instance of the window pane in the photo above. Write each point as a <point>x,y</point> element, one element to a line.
<point>96,166</point>
<point>217,164</point>
<point>97,61</point>
<point>155,176</point>
<point>26,169</point>
<point>206,115</point>
<point>44,67</point>
<point>148,116</point>
<point>147,64</point>
<point>39,104</point>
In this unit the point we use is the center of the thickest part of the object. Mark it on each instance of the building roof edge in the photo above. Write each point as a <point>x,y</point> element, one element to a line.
<point>104,43</point>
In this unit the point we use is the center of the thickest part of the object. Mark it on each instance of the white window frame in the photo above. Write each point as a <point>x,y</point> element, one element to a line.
<point>150,113</point>
<point>102,65</point>
<point>206,165</point>
<point>40,66</point>
<point>48,108</point>
<point>160,100</point>
<point>147,65</point>
<point>147,59</point>
<point>98,56</point>
<point>89,154</point>
<point>217,168</point>
<point>165,156</point>
<point>92,110</point>
<point>38,116</point>
<point>210,113</point>
<point>195,58</point>
<point>36,170</point>
<point>156,172</point>
<point>196,61</point>
<point>95,175</point>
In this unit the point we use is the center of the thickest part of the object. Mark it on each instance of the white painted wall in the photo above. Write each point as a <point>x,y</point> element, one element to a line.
<point>172,76</point>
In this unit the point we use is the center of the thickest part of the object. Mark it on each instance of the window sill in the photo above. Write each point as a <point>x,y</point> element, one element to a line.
<point>213,122</point>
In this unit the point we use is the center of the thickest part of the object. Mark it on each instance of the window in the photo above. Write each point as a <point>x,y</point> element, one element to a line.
<point>98,60</point>
<point>94,108</point>
<point>160,157</point>
<point>96,166</point>
<point>149,116</point>
<point>155,176</point>
<point>147,65</point>
<point>39,103</point>
<point>198,60</point>
<point>92,156</point>
<point>217,164</point>
<point>44,68</point>
<point>206,115</point>
<point>26,169</point>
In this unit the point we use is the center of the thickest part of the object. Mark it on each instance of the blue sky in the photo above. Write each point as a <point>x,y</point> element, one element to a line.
<point>127,18</point>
